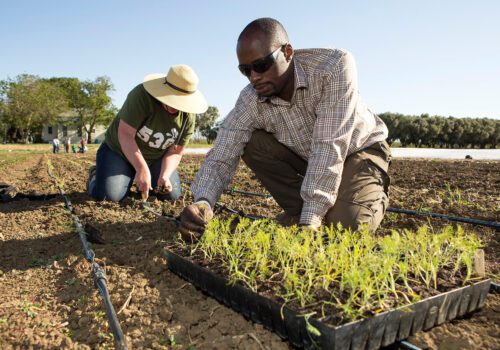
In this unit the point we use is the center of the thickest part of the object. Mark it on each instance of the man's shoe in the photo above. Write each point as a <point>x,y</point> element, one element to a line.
<point>285,219</point>
<point>92,171</point>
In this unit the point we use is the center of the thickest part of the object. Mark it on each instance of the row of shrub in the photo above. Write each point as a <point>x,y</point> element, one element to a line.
<point>441,132</point>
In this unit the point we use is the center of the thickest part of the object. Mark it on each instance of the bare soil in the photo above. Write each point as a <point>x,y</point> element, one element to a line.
<point>47,297</point>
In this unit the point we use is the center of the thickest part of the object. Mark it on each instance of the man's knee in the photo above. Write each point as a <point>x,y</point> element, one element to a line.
<point>352,215</point>
<point>260,143</point>
<point>264,147</point>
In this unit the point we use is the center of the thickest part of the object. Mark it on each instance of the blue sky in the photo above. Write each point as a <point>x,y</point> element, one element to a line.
<point>438,57</point>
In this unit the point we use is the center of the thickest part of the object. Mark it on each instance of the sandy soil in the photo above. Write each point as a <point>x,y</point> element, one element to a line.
<point>48,299</point>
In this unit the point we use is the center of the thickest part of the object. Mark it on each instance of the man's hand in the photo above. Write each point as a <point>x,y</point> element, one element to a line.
<point>164,185</point>
<point>310,227</point>
<point>194,218</point>
<point>143,181</point>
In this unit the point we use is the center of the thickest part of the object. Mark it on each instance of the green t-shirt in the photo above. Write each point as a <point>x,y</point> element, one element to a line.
<point>156,129</point>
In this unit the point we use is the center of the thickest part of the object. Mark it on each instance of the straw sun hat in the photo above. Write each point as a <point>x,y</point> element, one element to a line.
<point>178,89</point>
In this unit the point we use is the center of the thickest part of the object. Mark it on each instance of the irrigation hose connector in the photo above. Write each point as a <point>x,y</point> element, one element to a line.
<point>98,273</point>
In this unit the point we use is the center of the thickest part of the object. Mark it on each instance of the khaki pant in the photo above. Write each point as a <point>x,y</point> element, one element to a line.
<point>363,195</point>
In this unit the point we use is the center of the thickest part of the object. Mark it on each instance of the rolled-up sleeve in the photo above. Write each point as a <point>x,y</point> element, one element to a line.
<point>333,130</point>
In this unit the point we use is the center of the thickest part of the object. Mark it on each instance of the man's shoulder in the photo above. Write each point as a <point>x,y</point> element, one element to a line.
<point>319,58</point>
<point>248,95</point>
<point>320,52</point>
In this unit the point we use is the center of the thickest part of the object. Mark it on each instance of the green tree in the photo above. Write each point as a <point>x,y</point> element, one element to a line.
<point>435,129</point>
<point>495,136</point>
<point>410,131</point>
<point>392,121</point>
<point>30,102</point>
<point>458,132</point>
<point>447,132</point>
<point>90,100</point>
<point>206,121</point>
<point>3,125</point>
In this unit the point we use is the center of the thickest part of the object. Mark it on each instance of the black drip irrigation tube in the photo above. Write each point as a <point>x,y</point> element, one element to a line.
<point>98,275</point>
<point>392,210</point>
<point>448,217</point>
<point>404,345</point>
<point>232,191</point>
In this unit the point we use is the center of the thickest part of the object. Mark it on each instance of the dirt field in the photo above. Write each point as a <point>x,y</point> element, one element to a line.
<point>47,297</point>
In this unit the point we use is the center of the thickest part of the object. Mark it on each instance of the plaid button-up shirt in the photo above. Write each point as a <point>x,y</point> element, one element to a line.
<point>324,123</point>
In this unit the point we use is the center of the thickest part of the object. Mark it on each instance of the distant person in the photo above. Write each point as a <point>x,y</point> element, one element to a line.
<point>73,148</point>
<point>83,145</point>
<point>66,144</point>
<point>55,145</point>
<point>145,142</point>
<point>302,127</point>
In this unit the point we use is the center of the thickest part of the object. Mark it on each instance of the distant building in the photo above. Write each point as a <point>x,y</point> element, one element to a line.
<point>67,127</point>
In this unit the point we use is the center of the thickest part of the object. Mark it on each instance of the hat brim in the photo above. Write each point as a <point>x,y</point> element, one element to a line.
<point>189,103</point>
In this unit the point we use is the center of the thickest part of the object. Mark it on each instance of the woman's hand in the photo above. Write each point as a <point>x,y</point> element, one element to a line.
<point>143,181</point>
<point>164,184</point>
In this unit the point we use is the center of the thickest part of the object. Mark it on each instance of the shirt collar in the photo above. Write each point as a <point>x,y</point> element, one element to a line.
<point>300,80</point>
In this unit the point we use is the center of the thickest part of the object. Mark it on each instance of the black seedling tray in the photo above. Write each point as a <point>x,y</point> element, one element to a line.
<point>366,334</point>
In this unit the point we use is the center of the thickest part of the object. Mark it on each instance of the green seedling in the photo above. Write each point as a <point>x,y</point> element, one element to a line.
<point>29,308</point>
<point>83,300</point>
<point>72,281</point>
<point>116,242</point>
<point>105,336</point>
<point>39,262</point>
<point>455,195</point>
<point>160,241</point>
<point>100,314</point>
<point>59,256</point>
<point>391,217</point>
<point>172,341</point>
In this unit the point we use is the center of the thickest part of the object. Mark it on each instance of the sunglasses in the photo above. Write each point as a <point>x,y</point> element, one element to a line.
<point>260,65</point>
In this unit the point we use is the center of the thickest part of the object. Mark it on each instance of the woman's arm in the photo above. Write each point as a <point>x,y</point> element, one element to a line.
<point>170,162</point>
<point>126,137</point>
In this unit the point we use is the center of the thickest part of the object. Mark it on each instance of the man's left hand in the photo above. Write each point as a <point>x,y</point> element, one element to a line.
<point>310,227</point>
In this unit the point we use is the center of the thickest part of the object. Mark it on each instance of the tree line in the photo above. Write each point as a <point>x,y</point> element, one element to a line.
<point>441,132</point>
<point>28,102</point>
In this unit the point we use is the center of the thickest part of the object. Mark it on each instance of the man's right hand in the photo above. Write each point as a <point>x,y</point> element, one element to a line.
<point>143,182</point>
<point>194,218</point>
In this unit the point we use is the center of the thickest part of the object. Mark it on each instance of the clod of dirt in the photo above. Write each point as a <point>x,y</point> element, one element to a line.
<point>7,192</point>
<point>165,314</point>
<point>93,234</point>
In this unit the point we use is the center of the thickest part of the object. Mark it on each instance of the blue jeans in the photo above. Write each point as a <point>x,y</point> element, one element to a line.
<point>114,176</point>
